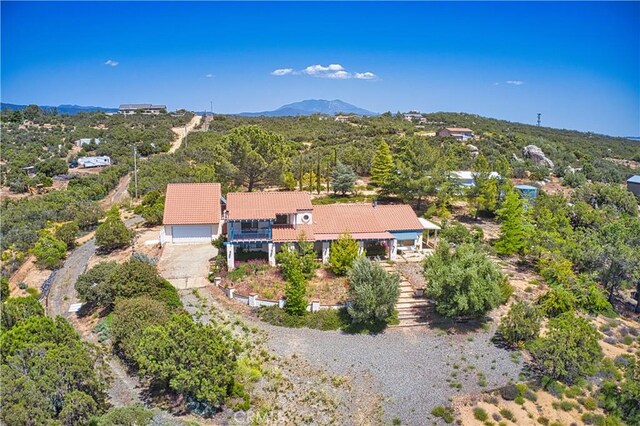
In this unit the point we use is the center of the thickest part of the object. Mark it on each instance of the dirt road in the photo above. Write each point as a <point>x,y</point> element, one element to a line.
<point>181,133</point>
<point>124,389</point>
<point>118,193</point>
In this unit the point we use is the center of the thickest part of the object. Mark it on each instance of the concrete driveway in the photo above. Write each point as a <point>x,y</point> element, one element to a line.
<point>186,265</point>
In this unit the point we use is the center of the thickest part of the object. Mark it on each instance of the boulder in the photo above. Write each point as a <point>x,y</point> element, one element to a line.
<point>473,150</point>
<point>536,155</point>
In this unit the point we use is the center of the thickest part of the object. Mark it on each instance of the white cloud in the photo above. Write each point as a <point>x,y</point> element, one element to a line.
<point>365,75</point>
<point>282,71</point>
<point>515,82</point>
<point>496,84</point>
<point>322,71</point>
<point>209,75</point>
<point>332,71</point>
<point>112,63</point>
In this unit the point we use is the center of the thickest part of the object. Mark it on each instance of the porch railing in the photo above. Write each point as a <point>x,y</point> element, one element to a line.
<point>260,234</point>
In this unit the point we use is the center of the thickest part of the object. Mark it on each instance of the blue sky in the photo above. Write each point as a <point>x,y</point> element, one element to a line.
<point>576,63</point>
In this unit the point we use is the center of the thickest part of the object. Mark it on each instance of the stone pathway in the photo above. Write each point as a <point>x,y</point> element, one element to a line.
<point>412,310</point>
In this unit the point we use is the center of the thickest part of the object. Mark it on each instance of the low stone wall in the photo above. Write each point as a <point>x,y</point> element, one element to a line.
<point>254,301</point>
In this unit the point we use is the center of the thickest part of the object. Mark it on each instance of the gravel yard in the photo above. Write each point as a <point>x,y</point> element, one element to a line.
<point>415,369</point>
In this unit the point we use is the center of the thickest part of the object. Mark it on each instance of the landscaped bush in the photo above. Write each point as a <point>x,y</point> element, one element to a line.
<point>464,282</point>
<point>342,253</point>
<point>373,292</point>
<point>326,319</point>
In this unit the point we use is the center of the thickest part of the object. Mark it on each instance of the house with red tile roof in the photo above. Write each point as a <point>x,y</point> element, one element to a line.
<point>271,221</point>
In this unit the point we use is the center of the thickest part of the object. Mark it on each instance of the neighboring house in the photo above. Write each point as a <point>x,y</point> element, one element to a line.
<point>461,134</point>
<point>527,191</point>
<point>86,141</point>
<point>633,185</point>
<point>88,162</point>
<point>147,109</point>
<point>466,178</point>
<point>269,221</point>
<point>30,170</point>
<point>192,213</point>
<point>410,116</point>
<point>343,118</point>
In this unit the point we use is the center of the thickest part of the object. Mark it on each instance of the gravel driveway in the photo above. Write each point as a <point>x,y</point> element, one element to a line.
<point>414,367</point>
<point>186,265</point>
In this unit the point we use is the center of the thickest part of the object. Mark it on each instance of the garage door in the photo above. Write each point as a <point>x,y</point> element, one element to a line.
<point>191,233</point>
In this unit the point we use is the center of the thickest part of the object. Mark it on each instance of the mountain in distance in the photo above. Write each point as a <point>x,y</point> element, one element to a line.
<point>62,109</point>
<point>311,106</point>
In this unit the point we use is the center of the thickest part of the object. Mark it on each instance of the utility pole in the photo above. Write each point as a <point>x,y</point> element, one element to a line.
<point>135,169</point>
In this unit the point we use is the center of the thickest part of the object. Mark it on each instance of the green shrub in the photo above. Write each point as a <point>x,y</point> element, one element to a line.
<point>579,354</point>
<point>521,324</point>
<point>463,282</point>
<point>342,253</point>
<point>373,292</point>
<point>129,319</point>
<point>49,251</point>
<point>445,413</point>
<point>480,414</point>
<point>18,309</point>
<point>557,301</point>
<point>113,234</point>
<point>507,414</point>
<point>326,319</point>
<point>590,403</point>
<point>68,232</point>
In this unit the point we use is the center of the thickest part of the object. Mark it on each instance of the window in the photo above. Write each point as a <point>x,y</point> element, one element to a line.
<point>281,219</point>
<point>251,225</point>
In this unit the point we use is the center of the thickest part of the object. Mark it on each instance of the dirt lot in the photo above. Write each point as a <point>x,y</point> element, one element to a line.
<point>186,265</point>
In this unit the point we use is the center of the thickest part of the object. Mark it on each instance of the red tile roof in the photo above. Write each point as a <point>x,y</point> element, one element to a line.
<point>265,205</point>
<point>398,217</point>
<point>289,233</point>
<point>363,218</point>
<point>458,129</point>
<point>192,204</point>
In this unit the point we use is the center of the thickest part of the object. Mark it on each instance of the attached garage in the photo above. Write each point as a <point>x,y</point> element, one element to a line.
<point>182,234</point>
<point>192,213</point>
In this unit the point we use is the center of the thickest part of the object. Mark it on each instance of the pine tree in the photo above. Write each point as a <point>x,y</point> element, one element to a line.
<point>382,166</point>
<point>343,179</point>
<point>514,227</point>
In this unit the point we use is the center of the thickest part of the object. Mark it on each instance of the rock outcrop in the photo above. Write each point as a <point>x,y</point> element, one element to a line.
<point>473,150</point>
<point>536,155</point>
